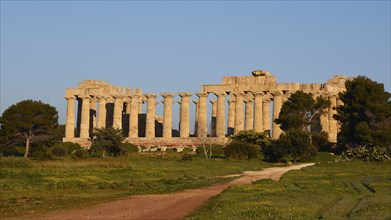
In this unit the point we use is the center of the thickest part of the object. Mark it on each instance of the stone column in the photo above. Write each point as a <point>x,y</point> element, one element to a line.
<point>213,119</point>
<point>202,114</point>
<point>277,104</point>
<point>150,122</point>
<point>258,111</point>
<point>133,120</point>
<point>184,114</point>
<point>70,121</point>
<point>249,125</point>
<point>85,116</point>
<point>118,107</point>
<point>196,117</point>
<point>127,100</point>
<point>333,130</point>
<point>220,118</point>
<point>266,114</point>
<point>167,114</point>
<point>231,115</point>
<point>324,118</point>
<point>101,112</point>
<point>239,112</point>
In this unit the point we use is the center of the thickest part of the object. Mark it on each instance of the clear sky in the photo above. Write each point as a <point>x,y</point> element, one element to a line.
<point>173,46</point>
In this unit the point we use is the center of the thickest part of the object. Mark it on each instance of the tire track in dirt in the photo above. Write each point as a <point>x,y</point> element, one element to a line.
<point>163,206</point>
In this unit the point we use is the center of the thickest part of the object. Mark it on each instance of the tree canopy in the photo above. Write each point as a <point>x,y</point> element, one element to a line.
<point>299,111</point>
<point>107,139</point>
<point>27,122</point>
<point>295,143</point>
<point>366,114</point>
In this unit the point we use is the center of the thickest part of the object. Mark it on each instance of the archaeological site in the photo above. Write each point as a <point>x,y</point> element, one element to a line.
<point>238,103</point>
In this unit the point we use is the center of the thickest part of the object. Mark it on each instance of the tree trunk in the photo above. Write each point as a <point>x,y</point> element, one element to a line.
<point>26,153</point>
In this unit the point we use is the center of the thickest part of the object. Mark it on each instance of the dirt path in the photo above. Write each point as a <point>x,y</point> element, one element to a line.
<point>165,206</point>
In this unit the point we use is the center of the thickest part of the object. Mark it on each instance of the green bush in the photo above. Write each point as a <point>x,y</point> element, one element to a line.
<point>252,137</point>
<point>80,154</point>
<point>368,153</point>
<point>59,151</point>
<point>295,143</point>
<point>321,141</point>
<point>241,150</point>
<point>186,157</point>
<point>12,150</point>
<point>274,152</point>
<point>42,155</point>
<point>71,147</point>
<point>217,151</point>
<point>13,162</point>
<point>129,148</point>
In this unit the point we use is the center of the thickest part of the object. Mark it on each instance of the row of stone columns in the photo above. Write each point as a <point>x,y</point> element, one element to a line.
<point>246,111</point>
<point>235,114</point>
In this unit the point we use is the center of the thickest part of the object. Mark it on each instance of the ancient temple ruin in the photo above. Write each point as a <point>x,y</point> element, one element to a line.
<point>242,103</point>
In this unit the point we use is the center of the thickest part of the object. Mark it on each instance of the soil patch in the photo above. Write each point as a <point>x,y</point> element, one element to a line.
<point>164,206</point>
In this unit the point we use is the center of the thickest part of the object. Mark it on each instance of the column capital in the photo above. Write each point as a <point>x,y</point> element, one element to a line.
<point>220,94</point>
<point>202,94</point>
<point>249,96</point>
<point>70,97</point>
<point>150,96</point>
<point>101,97</point>
<point>84,96</point>
<point>168,95</point>
<point>213,101</point>
<point>196,101</point>
<point>118,96</point>
<point>135,96</point>
<point>185,94</point>
<point>333,95</point>
<point>94,98</point>
<point>258,93</point>
<point>277,93</point>
<point>266,99</point>
<point>238,93</point>
<point>231,99</point>
<point>248,100</point>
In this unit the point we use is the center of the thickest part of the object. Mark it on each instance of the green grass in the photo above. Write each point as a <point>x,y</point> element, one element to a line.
<point>329,190</point>
<point>38,186</point>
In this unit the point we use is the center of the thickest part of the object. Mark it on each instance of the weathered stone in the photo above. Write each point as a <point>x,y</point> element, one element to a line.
<point>115,102</point>
<point>184,114</point>
<point>260,73</point>
<point>167,114</point>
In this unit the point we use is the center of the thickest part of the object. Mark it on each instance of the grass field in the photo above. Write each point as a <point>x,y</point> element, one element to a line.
<point>30,187</point>
<point>329,190</point>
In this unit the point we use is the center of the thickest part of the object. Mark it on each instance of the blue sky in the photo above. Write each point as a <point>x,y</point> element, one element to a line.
<point>172,46</point>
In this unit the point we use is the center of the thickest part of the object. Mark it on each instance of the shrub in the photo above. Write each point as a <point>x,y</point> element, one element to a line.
<point>80,154</point>
<point>186,157</point>
<point>43,155</point>
<point>71,147</point>
<point>59,151</point>
<point>320,141</point>
<point>274,152</point>
<point>368,153</point>
<point>13,162</point>
<point>241,150</point>
<point>129,148</point>
<point>217,151</point>
<point>294,143</point>
<point>252,137</point>
<point>12,150</point>
<point>107,140</point>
